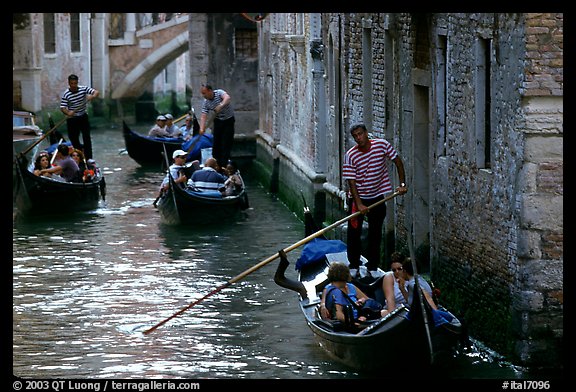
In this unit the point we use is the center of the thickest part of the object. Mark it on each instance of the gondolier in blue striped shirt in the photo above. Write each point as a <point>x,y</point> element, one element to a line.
<point>218,101</point>
<point>73,105</point>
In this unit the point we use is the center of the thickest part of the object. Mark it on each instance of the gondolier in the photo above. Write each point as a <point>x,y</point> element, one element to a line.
<point>74,104</point>
<point>365,170</point>
<point>218,100</point>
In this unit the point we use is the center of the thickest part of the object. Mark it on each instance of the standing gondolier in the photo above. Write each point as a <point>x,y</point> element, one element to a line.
<point>219,101</point>
<point>365,170</point>
<point>73,105</point>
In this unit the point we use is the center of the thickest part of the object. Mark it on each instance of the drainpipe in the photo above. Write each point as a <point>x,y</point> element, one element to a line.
<point>319,99</point>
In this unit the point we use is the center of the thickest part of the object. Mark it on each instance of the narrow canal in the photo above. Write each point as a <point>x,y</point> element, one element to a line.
<point>86,286</point>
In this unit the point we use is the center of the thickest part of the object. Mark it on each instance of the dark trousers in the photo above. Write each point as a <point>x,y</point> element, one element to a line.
<point>77,125</point>
<point>375,217</point>
<point>223,139</point>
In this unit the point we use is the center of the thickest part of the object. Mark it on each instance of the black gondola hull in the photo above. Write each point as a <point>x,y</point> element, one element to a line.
<point>148,151</point>
<point>177,206</point>
<point>36,195</point>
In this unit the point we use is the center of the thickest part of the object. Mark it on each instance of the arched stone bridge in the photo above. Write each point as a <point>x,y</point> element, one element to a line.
<point>137,58</point>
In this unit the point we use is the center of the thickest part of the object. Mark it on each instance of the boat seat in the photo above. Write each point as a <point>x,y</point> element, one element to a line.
<point>209,194</point>
<point>331,325</point>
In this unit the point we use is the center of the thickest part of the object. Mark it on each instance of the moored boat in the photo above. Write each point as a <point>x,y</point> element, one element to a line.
<point>25,133</point>
<point>405,334</point>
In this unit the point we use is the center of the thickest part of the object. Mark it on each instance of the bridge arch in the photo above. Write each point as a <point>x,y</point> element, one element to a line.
<point>135,82</point>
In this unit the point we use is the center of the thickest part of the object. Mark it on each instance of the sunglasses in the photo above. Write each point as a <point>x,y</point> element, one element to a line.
<point>397,269</point>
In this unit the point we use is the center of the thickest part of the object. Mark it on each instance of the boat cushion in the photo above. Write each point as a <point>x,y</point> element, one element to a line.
<point>211,194</point>
<point>197,143</point>
<point>165,139</point>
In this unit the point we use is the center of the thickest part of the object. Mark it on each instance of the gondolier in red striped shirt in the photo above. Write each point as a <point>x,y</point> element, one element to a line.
<point>365,170</point>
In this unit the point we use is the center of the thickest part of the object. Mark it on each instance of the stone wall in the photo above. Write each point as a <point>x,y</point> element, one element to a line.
<point>472,102</point>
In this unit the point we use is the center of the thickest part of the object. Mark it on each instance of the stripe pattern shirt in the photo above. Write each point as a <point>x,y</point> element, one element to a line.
<point>210,104</point>
<point>207,179</point>
<point>76,101</point>
<point>369,169</point>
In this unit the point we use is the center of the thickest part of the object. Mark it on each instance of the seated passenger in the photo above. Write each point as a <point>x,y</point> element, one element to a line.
<point>171,128</point>
<point>439,316</point>
<point>334,301</point>
<point>159,130</point>
<point>393,283</point>
<point>176,170</point>
<point>207,179</point>
<point>84,174</point>
<point>66,167</point>
<point>42,162</point>
<point>234,184</point>
<point>408,292</point>
<point>187,130</point>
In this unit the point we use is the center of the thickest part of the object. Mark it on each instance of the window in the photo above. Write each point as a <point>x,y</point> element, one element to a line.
<point>483,102</point>
<point>49,34</point>
<point>246,43</point>
<point>116,26</point>
<point>75,32</point>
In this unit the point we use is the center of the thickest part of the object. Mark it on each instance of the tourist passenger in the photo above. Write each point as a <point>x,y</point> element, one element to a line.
<point>234,184</point>
<point>79,158</point>
<point>209,178</point>
<point>188,130</point>
<point>178,172</point>
<point>408,292</point>
<point>175,170</point>
<point>365,170</point>
<point>42,162</point>
<point>66,167</point>
<point>171,128</point>
<point>159,130</point>
<point>334,301</point>
<point>393,284</point>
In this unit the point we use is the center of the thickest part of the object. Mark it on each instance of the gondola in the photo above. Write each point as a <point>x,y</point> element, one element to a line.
<point>37,195</point>
<point>148,150</point>
<point>183,206</point>
<point>380,345</point>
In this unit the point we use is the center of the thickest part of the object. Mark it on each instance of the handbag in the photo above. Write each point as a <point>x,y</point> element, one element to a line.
<point>371,309</point>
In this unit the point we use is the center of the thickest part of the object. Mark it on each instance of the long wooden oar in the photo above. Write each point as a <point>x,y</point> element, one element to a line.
<point>268,260</point>
<point>182,117</point>
<point>24,152</point>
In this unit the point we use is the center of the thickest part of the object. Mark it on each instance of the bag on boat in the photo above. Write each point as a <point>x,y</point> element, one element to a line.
<point>316,250</point>
<point>371,309</point>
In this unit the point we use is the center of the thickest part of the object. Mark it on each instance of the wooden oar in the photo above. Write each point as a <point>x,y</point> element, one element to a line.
<point>268,260</point>
<point>24,152</point>
<point>182,117</point>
